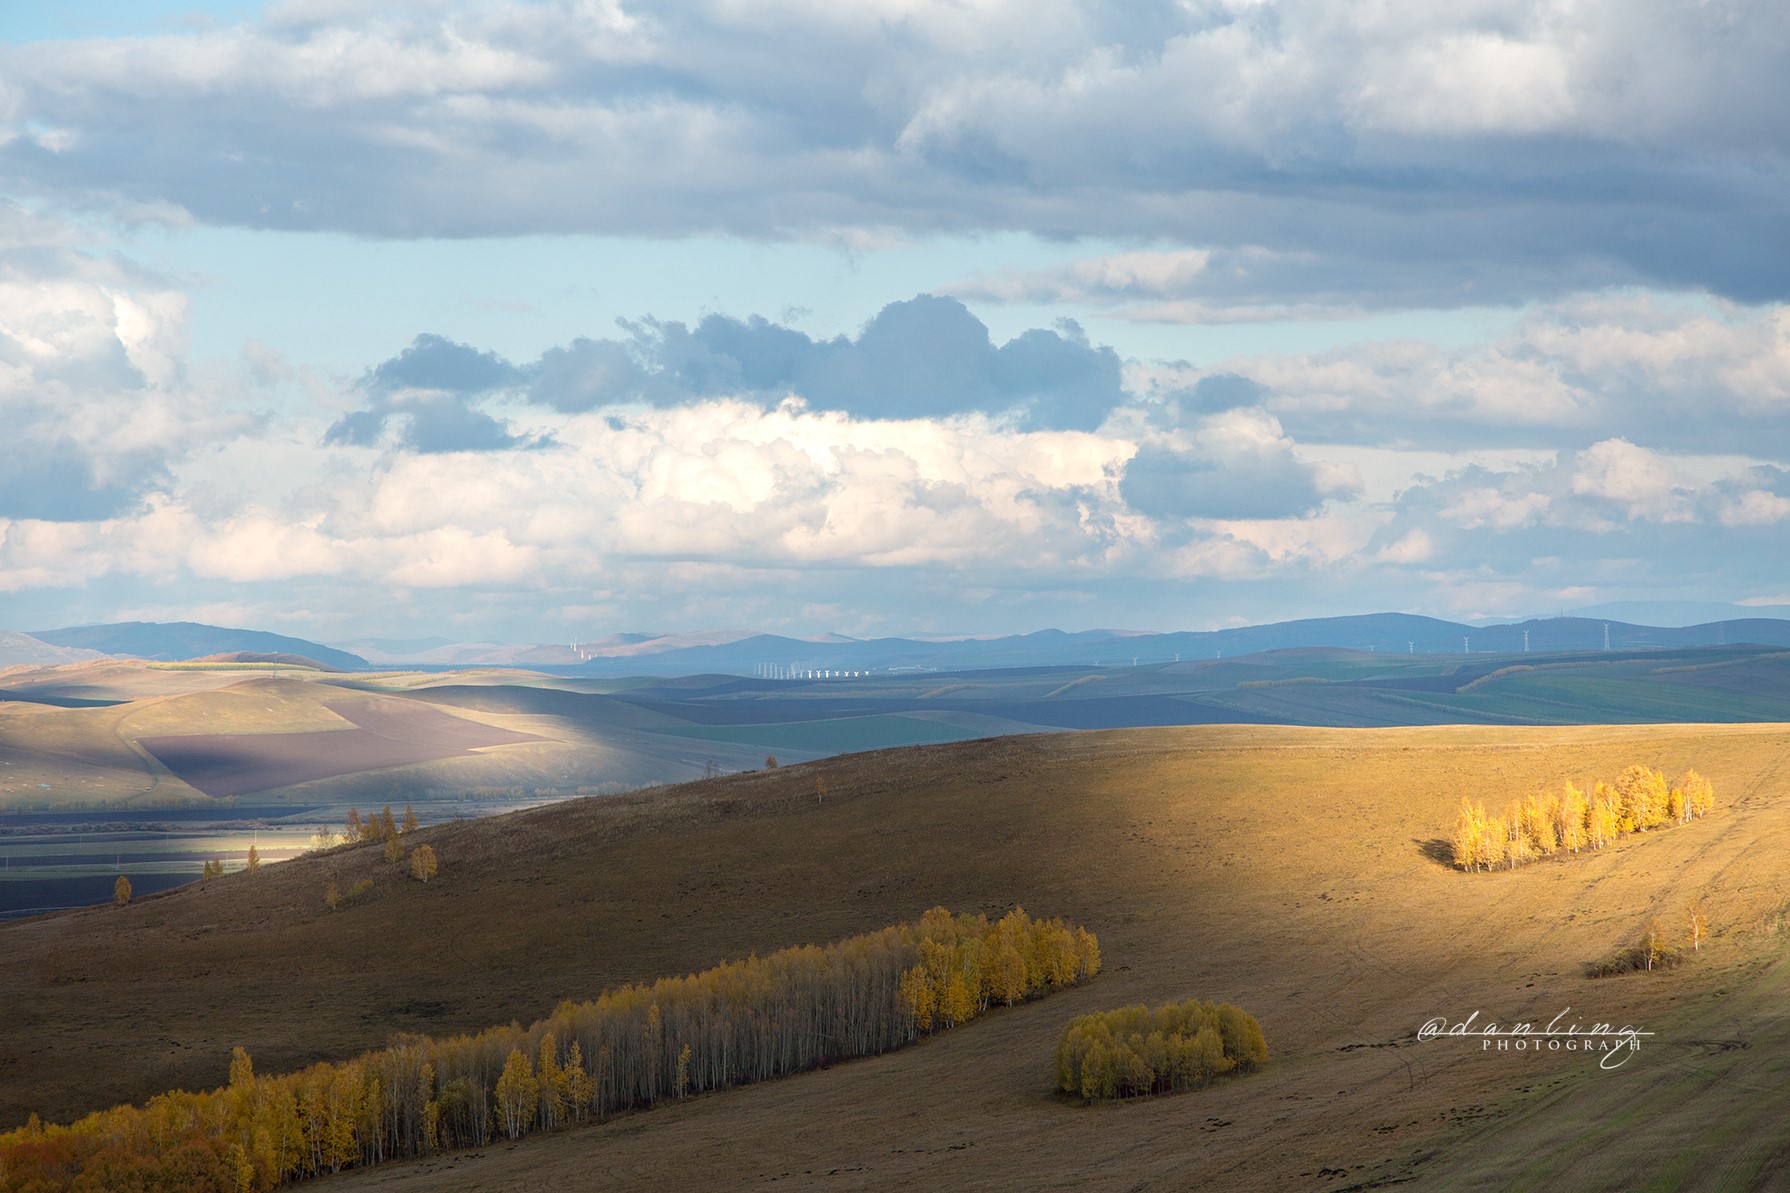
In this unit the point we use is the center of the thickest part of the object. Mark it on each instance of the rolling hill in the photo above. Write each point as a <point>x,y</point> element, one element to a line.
<point>174,641</point>
<point>105,732</point>
<point>1292,871</point>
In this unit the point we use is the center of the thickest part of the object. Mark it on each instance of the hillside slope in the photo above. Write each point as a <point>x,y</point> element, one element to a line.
<point>175,640</point>
<point>1291,871</point>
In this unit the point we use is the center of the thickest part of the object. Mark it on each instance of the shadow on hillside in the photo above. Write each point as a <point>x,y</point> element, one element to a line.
<point>1436,849</point>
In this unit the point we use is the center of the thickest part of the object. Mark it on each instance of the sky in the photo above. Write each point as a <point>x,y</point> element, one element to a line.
<point>538,322</point>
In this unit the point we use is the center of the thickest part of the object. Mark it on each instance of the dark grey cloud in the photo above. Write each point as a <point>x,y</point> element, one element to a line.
<point>585,374</point>
<point>427,391</point>
<point>1218,392</point>
<point>922,358</point>
<point>928,357</point>
<point>431,362</point>
<point>427,422</point>
<point>1331,155</point>
<point>445,424</point>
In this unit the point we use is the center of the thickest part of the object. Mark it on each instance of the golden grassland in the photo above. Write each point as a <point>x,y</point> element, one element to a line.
<point>1300,874</point>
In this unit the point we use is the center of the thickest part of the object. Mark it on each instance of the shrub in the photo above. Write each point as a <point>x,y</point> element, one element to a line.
<point>1136,1050</point>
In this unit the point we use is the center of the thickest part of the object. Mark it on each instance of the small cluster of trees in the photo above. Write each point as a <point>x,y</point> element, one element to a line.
<point>740,1022</point>
<point>1569,820</point>
<point>967,964</point>
<point>378,827</point>
<point>1655,948</point>
<point>334,897</point>
<point>384,827</point>
<point>1177,1046</point>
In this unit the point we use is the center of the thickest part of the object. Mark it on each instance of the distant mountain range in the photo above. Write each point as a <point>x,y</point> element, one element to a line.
<point>18,649</point>
<point>773,656</point>
<point>1669,613</point>
<point>177,641</point>
<point>1399,633</point>
<point>445,652</point>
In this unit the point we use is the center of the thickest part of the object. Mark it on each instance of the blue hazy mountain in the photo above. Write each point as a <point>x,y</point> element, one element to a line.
<point>176,641</point>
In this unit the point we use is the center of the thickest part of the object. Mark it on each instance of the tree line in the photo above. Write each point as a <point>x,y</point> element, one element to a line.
<point>740,1022</point>
<point>1136,1050</point>
<point>1571,820</point>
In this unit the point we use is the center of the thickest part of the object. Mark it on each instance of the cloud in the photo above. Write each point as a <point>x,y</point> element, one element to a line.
<point>426,422</point>
<point>587,373</point>
<point>929,357</point>
<point>1701,377</point>
<point>1613,519</point>
<point>926,357</point>
<point>93,391</point>
<point>1098,279</point>
<point>1641,483</point>
<point>1269,156</point>
<point>54,479</point>
<point>431,362</point>
<point>1755,507</point>
<point>1239,465</point>
<point>427,390</point>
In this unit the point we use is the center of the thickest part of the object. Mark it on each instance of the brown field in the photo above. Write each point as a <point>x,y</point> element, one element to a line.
<point>387,733</point>
<point>1290,871</point>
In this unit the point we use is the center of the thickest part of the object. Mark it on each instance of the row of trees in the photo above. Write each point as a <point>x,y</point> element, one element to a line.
<point>1177,1046</point>
<point>1569,820</point>
<point>740,1022</point>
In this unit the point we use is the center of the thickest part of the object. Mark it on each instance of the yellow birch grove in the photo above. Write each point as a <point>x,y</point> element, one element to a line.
<point>1568,821</point>
<point>1572,818</point>
<point>1177,1046</point>
<point>740,1022</point>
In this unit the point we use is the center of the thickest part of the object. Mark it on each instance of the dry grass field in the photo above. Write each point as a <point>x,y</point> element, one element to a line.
<point>1294,872</point>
